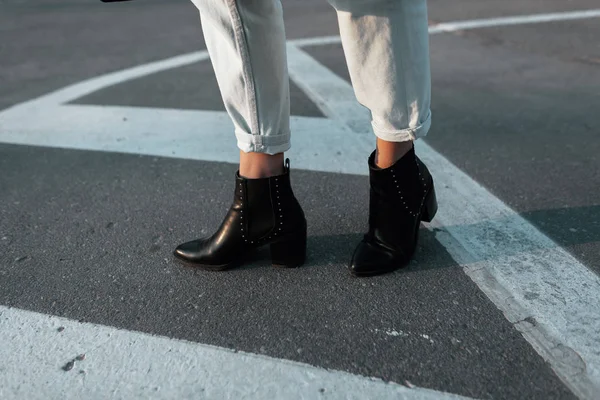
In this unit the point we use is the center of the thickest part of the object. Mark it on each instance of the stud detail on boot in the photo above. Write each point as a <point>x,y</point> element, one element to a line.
<point>264,211</point>
<point>401,196</point>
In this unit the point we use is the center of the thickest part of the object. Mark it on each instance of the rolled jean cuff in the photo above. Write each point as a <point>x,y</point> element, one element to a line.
<point>403,135</point>
<point>263,144</point>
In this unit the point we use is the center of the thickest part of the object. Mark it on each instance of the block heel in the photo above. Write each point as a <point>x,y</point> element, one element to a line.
<point>289,252</point>
<point>430,206</point>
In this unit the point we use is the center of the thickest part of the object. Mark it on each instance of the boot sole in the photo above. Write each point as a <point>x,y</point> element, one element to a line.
<point>287,252</point>
<point>206,267</point>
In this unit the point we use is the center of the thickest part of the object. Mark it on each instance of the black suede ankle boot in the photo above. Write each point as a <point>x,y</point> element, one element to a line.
<point>264,212</point>
<point>401,197</point>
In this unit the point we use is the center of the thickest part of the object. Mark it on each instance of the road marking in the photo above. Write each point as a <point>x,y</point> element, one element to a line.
<point>174,133</point>
<point>453,26</point>
<point>545,292</point>
<point>515,20</point>
<point>88,86</point>
<point>131,365</point>
<point>316,41</point>
<point>328,91</point>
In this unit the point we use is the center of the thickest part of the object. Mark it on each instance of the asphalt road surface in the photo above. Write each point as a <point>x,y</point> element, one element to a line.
<point>99,182</point>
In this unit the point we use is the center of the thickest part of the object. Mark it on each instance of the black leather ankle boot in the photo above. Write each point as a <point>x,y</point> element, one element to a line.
<point>264,212</point>
<point>401,197</point>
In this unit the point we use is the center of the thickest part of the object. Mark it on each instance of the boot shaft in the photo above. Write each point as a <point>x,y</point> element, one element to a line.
<point>396,200</point>
<point>268,206</point>
<point>405,183</point>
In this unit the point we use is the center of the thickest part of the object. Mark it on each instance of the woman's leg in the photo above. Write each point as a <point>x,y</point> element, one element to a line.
<point>386,43</point>
<point>246,43</point>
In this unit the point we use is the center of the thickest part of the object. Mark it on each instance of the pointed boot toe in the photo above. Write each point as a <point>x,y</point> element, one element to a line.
<point>186,251</point>
<point>371,258</point>
<point>196,253</point>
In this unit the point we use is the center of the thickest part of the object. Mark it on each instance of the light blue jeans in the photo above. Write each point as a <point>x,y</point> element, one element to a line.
<point>386,44</point>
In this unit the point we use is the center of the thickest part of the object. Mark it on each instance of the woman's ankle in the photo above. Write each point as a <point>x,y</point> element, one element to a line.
<point>260,165</point>
<point>388,153</point>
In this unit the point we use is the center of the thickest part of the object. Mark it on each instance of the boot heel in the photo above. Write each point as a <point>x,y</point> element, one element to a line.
<point>430,206</point>
<point>289,252</point>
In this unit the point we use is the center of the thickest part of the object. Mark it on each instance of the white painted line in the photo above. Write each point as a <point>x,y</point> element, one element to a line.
<point>88,86</point>
<point>475,24</point>
<point>130,365</point>
<point>548,295</point>
<point>174,133</point>
<point>516,20</point>
<point>327,90</point>
<point>316,41</point>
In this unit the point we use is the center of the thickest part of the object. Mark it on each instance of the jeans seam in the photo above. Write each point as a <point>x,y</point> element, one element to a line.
<point>404,81</point>
<point>242,42</point>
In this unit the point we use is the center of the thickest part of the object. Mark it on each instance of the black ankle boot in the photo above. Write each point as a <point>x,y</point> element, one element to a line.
<point>401,197</point>
<point>264,211</point>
